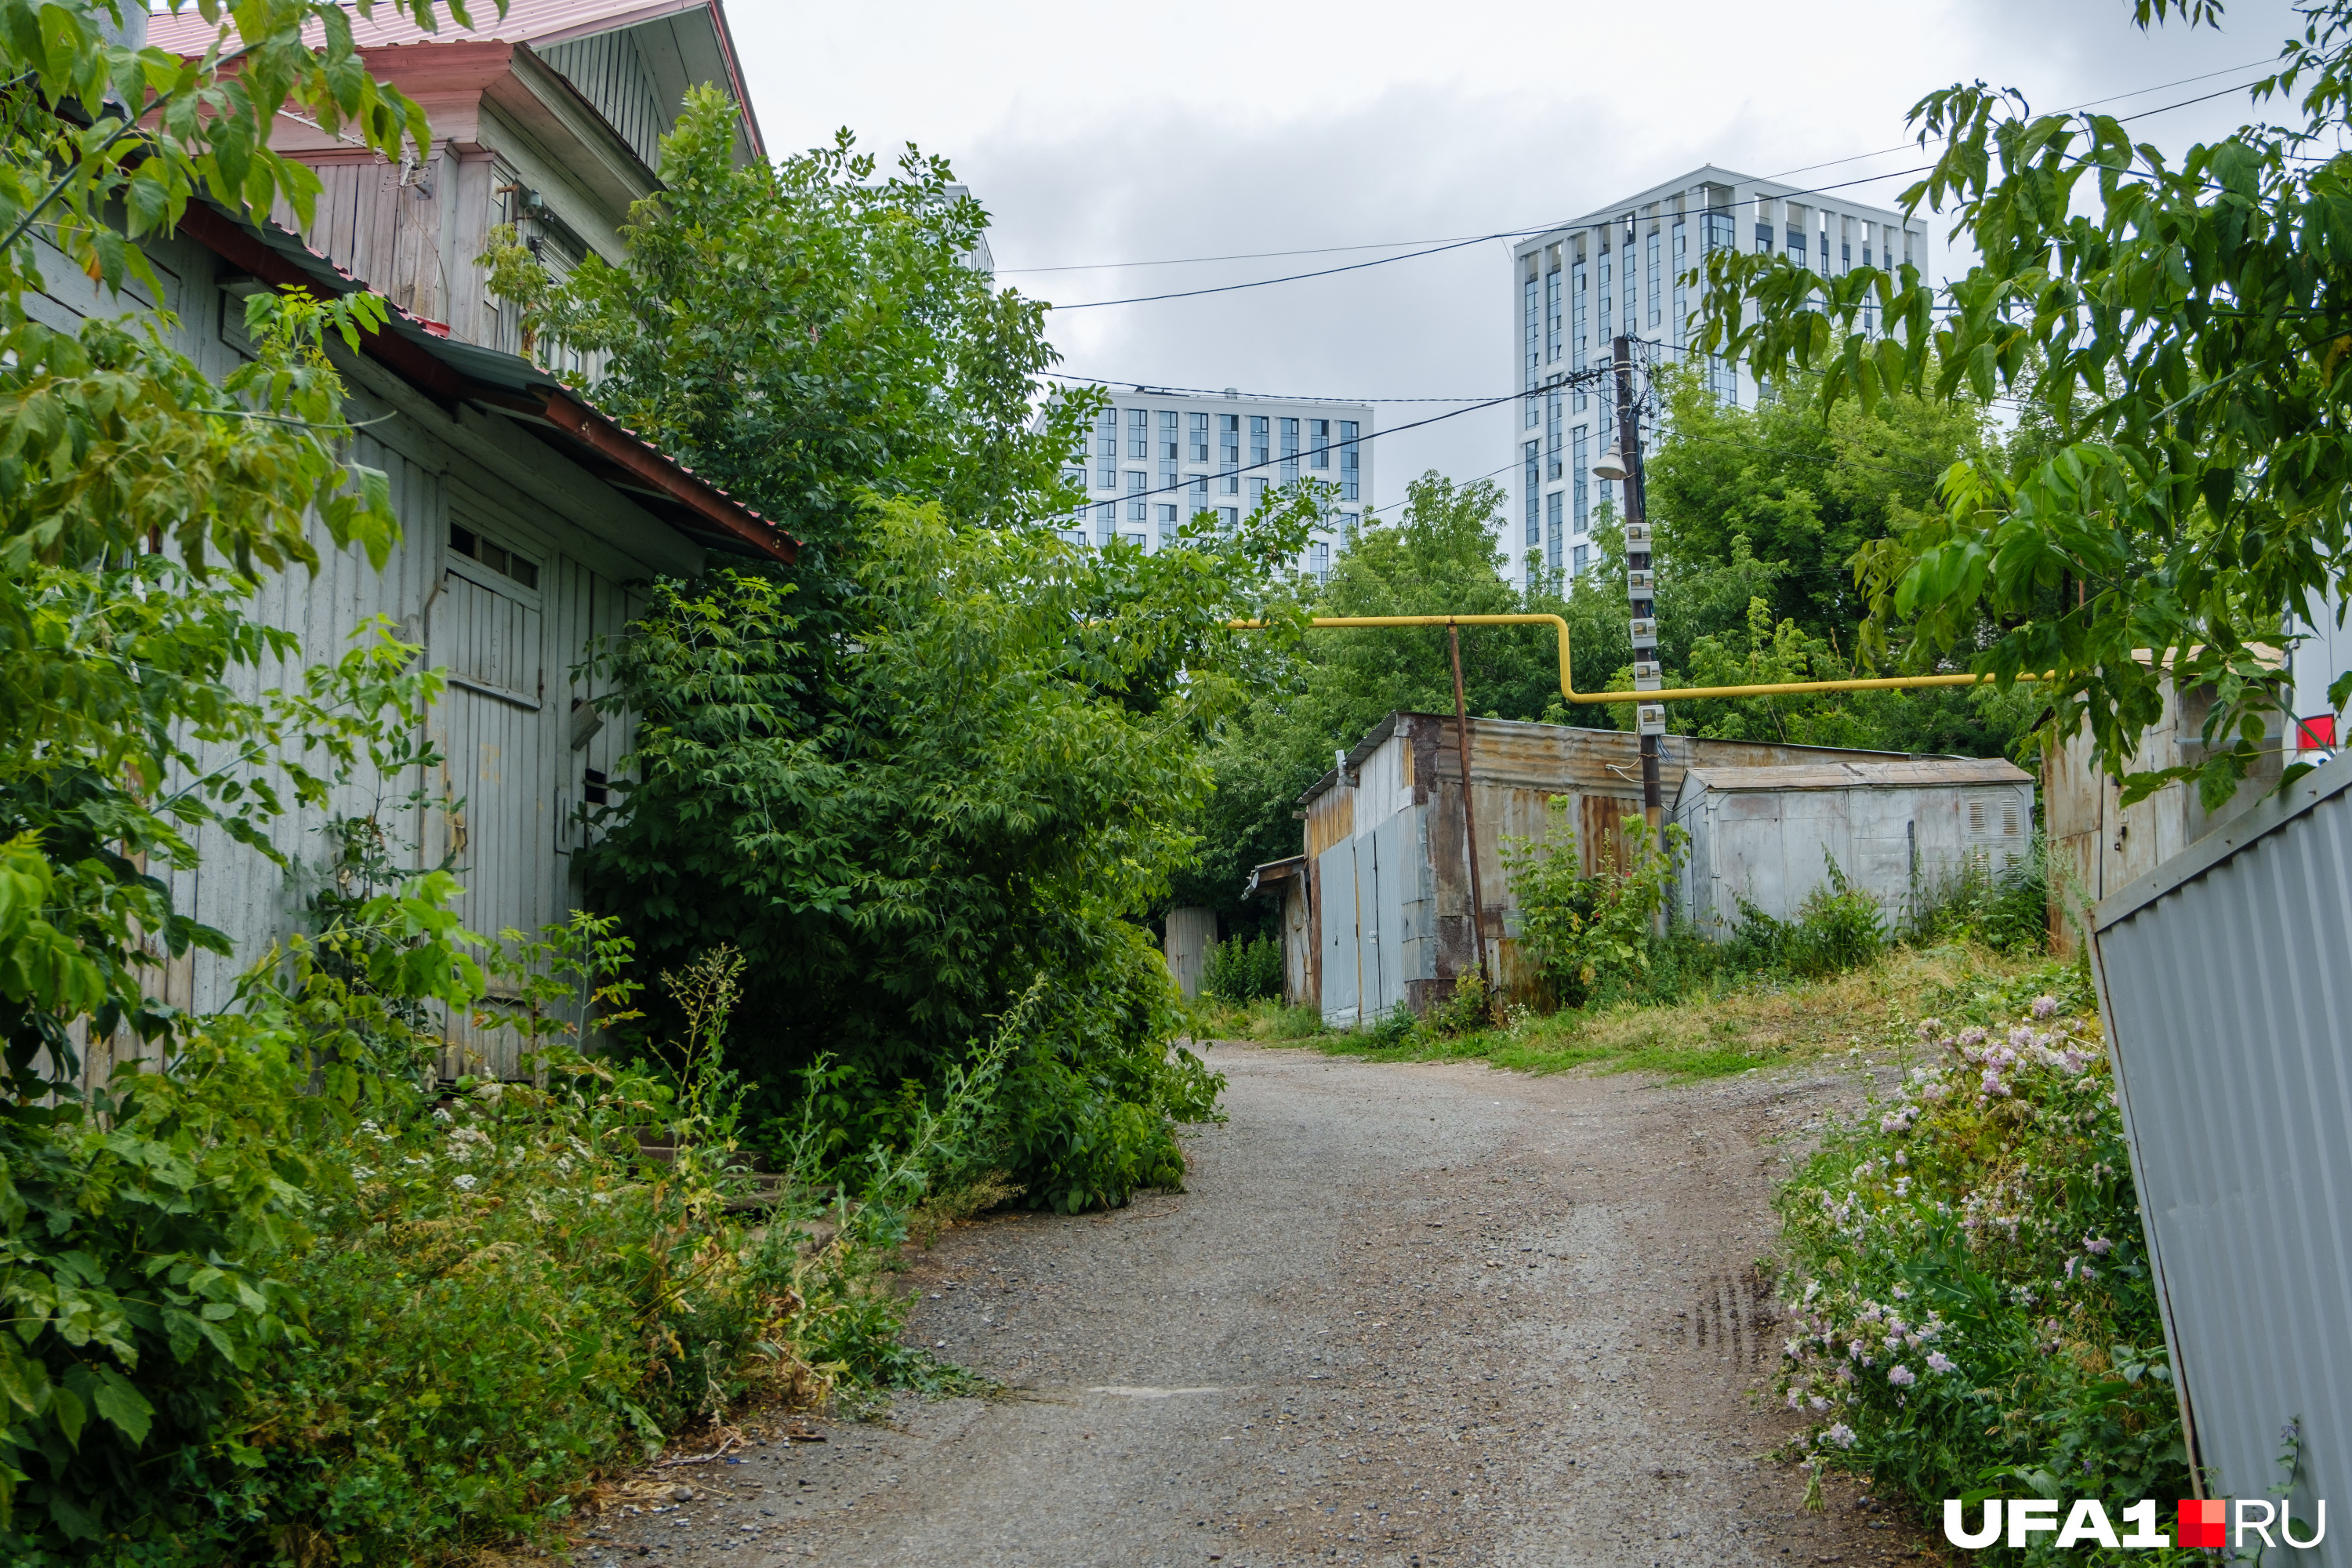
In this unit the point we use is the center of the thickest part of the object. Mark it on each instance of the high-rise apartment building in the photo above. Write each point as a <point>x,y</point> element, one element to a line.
<point>1153,460</point>
<point>1625,268</point>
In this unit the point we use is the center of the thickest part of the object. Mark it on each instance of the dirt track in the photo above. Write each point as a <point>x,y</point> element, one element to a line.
<point>1405,1315</point>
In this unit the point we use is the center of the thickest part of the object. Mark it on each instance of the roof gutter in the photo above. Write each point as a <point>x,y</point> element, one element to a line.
<point>609,441</point>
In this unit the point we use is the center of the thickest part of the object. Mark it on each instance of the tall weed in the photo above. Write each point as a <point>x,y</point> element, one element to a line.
<point>1972,1305</point>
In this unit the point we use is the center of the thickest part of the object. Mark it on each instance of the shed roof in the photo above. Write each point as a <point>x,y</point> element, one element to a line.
<point>1275,872</point>
<point>1926,773</point>
<point>423,352</point>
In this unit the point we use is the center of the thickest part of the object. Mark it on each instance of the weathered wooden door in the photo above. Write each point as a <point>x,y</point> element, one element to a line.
<point>487,632</point>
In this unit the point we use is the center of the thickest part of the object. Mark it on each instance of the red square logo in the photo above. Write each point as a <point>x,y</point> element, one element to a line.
<point>2203,1522</point>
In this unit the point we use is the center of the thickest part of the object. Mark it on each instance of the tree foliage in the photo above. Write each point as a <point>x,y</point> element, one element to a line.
<point>140,507</point>
<point>2177,324</point>
<point>998,780</point>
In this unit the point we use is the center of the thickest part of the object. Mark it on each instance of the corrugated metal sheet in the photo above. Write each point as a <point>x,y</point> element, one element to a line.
<point>526,22</point>
<point>1766,836</point>
<point>1924,774</point>
<point>1192,932</point>
<point>2225,975</point>
<point>1400,929</point>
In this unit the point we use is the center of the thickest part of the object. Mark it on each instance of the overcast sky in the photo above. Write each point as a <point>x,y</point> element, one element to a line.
<point>1098,133</point>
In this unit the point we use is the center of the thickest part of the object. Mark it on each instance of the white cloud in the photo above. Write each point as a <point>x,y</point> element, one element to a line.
<point>1105,132</point>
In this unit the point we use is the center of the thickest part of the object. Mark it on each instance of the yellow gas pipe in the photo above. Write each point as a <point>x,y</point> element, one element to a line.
<point>1677,694</point>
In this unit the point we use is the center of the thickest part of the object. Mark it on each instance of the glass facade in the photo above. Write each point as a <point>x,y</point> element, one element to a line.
<point>1530,327</point>
<point>1551,315</point>
<point>1139,433</point>
<point>1260,440</point>
<point>1551,435</point>
<point>1318,561</point>
<point>1352,472</point>
<point>1531,481</point>
<point>1138,508</point>
<point>1229,453</point>
<point>1196,430</point>
<point>1289,451</point>
<point>1651,278</point>
<point>1576,566</point>
<point>1319,443</point>
<point>1580,461</point>
<point>1682,290</point>
<point>1106,449</point>
<point>1552,531</point>
<point>1576,338</point>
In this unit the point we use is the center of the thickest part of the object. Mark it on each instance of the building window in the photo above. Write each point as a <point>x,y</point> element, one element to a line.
<point>466,542</point>
<point>1551,316</point>
<point>1198,491</point>
<point>1348,455</point>
<point>1552,530</point>
<point>1256,491</point>
<point>1231,516</point>
<point>1576,337</point>
<point>1318,561</point>
<point>1682,290</point>
<point>1625,280</point>
<point>1319,443</point>
<point>1260,440</point>
<point>1168,435</point>
<point>1763,239</point>
<point>1105,521</point>
<point>1138,510</point>
<point>1198,427</point>
<point>1655,310</point>
<point>1552,435</point>
<point>1532,482</point>
<point>1139,433</point>
<point>1607,292</point>
<point>1577,562</point>
<point>1168,514</point>
<point>1580,460</point>
<point>1530,326</point>
<point>1107,434</point>
<point>1134,539</point>
<point>1106,477</point>
<point>1289,451</point>
<point>1797,246</point>
<point>1348,521</point>
<point>1229,452</point>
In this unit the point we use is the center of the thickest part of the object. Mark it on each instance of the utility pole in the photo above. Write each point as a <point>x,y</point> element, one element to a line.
<point>1469,813</point>
<point>1640,585</point>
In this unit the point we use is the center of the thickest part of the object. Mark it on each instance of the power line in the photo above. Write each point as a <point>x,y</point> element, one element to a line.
<point>1250,256</point>
<point>1445,240</point>
<point>1299,277</point>
<point>1145,386</point>
<point>2077,109</point>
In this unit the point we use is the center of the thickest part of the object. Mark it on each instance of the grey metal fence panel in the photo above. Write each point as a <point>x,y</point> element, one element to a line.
<point>2225,977</point>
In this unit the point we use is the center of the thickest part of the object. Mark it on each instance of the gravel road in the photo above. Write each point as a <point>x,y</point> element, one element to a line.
<point>1405,1315</point>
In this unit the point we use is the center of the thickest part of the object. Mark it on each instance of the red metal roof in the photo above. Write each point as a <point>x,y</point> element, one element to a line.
<point>526,22</point>
<point>534,22</point>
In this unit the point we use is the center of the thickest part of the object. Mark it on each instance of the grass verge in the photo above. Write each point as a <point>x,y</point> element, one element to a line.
<point>1720,1029</point>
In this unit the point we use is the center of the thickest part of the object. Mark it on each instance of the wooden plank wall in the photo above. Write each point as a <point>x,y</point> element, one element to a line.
<point>508,737</point>
<point>607,70</point>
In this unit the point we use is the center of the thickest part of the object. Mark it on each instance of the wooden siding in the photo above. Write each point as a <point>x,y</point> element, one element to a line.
<point>380,222</point>
<point>512,776</point>
<point>610,74</point>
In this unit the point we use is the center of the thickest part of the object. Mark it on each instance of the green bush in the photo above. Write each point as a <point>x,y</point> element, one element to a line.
<point>1837,928</point>
<point>2008,910</point>
<point>1972,1304</point>
<point>1591,937</point>
<point>1244,970</point>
